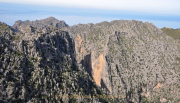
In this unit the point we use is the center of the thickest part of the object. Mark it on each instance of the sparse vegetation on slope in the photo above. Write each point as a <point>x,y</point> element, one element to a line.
<point>118,61</point>
<point>174,33</point>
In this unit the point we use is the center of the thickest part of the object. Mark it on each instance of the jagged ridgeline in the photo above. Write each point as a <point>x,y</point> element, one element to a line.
<point>119,61</point>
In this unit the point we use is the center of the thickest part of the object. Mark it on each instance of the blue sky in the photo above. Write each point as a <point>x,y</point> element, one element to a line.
<point>162,13</point>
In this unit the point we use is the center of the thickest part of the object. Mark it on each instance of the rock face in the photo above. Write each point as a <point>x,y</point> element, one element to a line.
<point>118,61</point>
<point>97,66</point>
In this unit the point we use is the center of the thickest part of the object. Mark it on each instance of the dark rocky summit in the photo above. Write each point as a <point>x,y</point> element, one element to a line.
<point>118,61</point>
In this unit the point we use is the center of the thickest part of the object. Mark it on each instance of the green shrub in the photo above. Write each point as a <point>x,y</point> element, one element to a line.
<point>34,59</point>
<point>17,53</point>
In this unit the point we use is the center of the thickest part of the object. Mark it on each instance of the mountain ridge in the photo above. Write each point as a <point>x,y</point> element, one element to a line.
<point>127,59</point>
<point>40,24</point>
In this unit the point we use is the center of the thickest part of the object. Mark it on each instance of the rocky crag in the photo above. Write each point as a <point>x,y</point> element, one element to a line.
<point>21,26</point>
<point>118,61</point>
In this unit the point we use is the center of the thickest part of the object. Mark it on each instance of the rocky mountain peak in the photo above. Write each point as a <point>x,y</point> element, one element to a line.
<point>40,24</point>
<point>51,18</point>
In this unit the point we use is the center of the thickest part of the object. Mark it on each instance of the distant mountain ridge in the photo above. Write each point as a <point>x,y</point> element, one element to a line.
<point>39,24</point>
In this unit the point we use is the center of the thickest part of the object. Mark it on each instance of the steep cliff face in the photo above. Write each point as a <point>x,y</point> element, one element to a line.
<point>129,61</point>
<point>97,66</point>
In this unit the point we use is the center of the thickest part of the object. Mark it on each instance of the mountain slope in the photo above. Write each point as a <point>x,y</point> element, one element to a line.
<point>41,68</point>
<point>136,56</point>
<point>174,33</point>
<point>118,61</point>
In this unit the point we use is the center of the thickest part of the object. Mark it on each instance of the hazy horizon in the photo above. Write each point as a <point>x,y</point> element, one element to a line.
<point>166,15</point>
